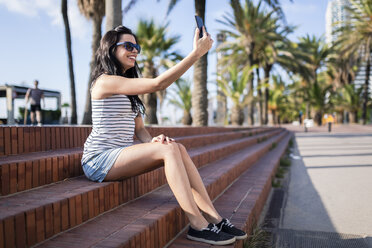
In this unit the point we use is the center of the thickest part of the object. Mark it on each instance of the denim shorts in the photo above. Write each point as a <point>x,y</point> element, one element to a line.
<point>97,167</point>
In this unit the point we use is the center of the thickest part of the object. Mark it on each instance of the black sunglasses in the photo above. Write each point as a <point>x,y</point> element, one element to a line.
<point>129,46</point>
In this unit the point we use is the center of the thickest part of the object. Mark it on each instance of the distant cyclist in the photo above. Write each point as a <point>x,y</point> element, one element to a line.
<point>35,95</point>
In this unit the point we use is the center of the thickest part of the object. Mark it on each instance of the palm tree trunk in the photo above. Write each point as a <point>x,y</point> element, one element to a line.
<point>97,22</point>
<point>186,119</point>
<point>259,96</point>
<point>251,107</point>
<point>273,112</point>
<point>151,103</point>
<point>113,14</point>
<point>366,87</point>
<point>200,91</point>
<point>267,70</point>
<point>70,62</point>
<point>150,100</point>
<point>237,116</point>
<point>353,116</point>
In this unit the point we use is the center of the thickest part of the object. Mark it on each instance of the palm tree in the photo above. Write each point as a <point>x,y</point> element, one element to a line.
<point>257,33</point>
<point>273,49</point>
<point>113,14</point>
<point>276,98</point>
<point>235,88</point>
<point>93,10</point>
<point>320,98</point>
<point>181,98</point>
<point>351,98</point>
<point>312,54</point>
<point>70,62</point>
<point>156,54</point>
<point>357,38</point>
<point>200,91</point>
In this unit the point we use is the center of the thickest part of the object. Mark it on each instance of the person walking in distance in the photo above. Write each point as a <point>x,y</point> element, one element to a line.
<point>35,95</point>
<point>109,153</point>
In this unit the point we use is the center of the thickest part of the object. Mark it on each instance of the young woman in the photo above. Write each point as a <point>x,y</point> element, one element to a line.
<point>109,153</point>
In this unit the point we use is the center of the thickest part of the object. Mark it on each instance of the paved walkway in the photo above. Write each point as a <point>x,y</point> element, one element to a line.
<point>330,187</point>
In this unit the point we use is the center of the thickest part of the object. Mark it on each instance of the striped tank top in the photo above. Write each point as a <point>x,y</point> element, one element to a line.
<point>113,126</point>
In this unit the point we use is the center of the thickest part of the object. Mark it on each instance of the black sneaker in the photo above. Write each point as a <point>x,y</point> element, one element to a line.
<point>211,235</point>
<point>226,227</point>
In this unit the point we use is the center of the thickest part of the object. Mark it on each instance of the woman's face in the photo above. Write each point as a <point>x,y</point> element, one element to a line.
<point>126,58</point>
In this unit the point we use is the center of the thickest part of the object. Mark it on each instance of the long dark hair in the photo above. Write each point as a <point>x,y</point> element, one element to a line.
<point>107,63</point>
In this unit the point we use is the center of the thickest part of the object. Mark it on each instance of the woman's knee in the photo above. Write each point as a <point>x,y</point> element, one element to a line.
<point>170,149</point>
<point>182,148</point>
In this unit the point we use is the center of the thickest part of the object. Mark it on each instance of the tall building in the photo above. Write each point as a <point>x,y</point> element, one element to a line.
<point>336,14</point>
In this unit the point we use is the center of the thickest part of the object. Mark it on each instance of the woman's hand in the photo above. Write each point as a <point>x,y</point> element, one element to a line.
<point>161,138</point>
<point>202,45</point>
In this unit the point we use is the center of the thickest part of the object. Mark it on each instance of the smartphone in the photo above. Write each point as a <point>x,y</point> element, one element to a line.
<point>200,24</point>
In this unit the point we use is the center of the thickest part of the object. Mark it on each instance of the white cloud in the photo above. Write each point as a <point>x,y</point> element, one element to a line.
<point>20,6</point>
<point>80,27</point>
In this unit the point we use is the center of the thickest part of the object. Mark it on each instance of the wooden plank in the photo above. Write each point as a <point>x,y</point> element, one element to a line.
<point>38,139</point>
<point>48,138</point>
<point>56,217</point>
<point>55,169</point>
<point>71,136</point>
<point>64,215</point>
<point>32,139</point>
<point>5,179</point>
<point>43,138</point>
<point>9,232</point>
<point>62,137</point>
<point>28,175</point>
<point>48,171</point>
<point>40,224</point>
<point>42,174</point>
<point>2,142</point>
<point>31,227</point>
<point>2,239</point>
<point>21,176</point>
<point>7,141</point>
<point>13,178</point>
<point>20,140</point>
<point>48,217</point>
<point>26,139</point>
<point>72,211</point>
<point>35,173</point>
<point>58,137</point>
<point>79,211</point>
<point>14,138</point>
<point>60,168</point>
<point>20,229</point>
<point>53,138</point>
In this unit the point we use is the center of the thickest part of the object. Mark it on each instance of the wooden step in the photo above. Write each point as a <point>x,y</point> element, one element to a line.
<point>26,139</point>
<point>242,203</point>
<point>71,202</point>
<point>25,171</point>
<point>154,219</point>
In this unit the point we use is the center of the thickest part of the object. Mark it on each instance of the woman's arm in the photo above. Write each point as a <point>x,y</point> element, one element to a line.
<point>107,85</point>
<point>144,136</point>
<point>140,130</point>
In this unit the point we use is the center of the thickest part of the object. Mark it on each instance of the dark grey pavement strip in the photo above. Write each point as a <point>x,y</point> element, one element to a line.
<point>288,238</point>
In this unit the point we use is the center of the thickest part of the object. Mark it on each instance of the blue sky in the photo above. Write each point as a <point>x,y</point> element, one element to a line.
<point>33,38</point>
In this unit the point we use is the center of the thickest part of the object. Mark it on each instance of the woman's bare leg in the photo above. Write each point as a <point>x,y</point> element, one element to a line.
<point>140,158</point>
<point>199,191</point>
